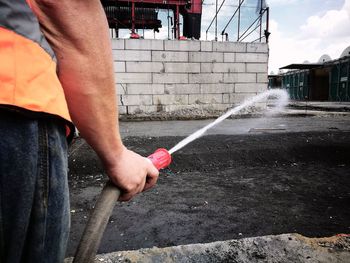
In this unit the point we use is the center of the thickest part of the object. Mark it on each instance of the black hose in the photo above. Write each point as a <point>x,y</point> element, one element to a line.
<point>93,232</point>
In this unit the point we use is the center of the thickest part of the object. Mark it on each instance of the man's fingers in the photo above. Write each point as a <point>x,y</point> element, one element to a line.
<point>125,197</point>
<point>150,182</point>
<point>152,171</point>
<point>152,177</point>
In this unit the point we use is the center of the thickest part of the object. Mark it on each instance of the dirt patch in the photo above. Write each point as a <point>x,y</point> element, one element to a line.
<point>224,187</point>
<point>190,113</point>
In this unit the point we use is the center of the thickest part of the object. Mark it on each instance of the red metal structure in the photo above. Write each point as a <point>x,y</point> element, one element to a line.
<point>143,14</point>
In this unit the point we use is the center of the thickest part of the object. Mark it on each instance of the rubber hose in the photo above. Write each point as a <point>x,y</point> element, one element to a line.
<point>93,232</point>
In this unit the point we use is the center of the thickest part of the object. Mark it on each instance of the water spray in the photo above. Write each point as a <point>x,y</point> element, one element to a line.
<point>161,158</point>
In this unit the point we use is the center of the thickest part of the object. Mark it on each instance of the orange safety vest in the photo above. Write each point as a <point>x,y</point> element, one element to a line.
<point>28,76</point>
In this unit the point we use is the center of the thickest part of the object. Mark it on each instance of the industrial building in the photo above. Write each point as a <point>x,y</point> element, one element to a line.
<point>326,80</point>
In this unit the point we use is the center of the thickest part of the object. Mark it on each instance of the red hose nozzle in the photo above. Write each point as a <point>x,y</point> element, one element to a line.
<point>161,158</point>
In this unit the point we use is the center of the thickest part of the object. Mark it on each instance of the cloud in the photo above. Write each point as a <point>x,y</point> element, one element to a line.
<point>281,2</point>
<point>162,34</point>
<point>334,23</point>
<point>321,34</point>
<point>209,36</point>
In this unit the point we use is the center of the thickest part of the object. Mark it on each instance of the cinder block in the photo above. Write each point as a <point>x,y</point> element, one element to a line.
<point>204,98</point>
<point>182,67</point>
<point>170,56</point>
<point>239,77</point>
<point>121,89</point>
<point>122,110</point>
<point>127,100</point>
<point>230,46</point>
<point>188,45</point>
<point>133,78</point>
<point>217,88</point>
<point>258,68</point>
<point>206,78</point>
<point>181,88</point>
<point>207,67</point>
<point>239,98</point>
<point>172,108</point>
<point>250,87</point>
<point>144,44</point>
<point>206,46</point>
<point>170,78</point>
<point>229,57</point>
<point>252,57</point>
<point>206,57</point>
<point>222,67</point>
<point>170,99</point>
<point>117,43</point>
<point>258,47</point>
<point>145,89</point>
<point>144,67</point>
<point>225,98</point>
<point>262,78</point>
<point>119,66</point>
<point>228,67</point>
<point>131,55</point>
<point>141,109</point>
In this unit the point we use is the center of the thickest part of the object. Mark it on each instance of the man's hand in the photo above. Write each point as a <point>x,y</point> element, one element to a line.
<point>132,173</point>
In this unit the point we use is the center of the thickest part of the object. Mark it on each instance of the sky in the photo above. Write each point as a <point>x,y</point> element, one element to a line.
<point>301,30</point>
<point>304,30</point>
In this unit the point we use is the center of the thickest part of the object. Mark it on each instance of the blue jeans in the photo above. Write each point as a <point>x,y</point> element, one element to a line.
<point>34,197</point>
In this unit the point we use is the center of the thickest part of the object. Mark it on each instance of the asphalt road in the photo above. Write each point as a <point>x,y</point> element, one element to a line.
<point>245,178</point>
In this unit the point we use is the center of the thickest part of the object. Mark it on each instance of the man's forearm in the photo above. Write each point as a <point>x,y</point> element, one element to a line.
<point>78,34</point>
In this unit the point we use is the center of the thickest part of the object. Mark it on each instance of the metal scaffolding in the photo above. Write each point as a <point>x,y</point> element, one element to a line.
<point>261,22</point>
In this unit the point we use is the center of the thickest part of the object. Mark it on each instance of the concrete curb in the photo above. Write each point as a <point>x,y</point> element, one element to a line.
<point>321,105</point>
<point>280,248</point>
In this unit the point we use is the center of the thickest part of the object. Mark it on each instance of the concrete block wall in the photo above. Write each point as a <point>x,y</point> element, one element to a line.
<point>163,76</point>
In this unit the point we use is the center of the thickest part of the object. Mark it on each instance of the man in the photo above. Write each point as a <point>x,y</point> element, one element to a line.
<point>36,110</point>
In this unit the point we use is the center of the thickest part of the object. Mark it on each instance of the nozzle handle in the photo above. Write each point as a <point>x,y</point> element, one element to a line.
<point>161,158</point>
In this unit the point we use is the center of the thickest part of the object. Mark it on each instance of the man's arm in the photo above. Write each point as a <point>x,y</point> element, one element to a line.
<point>77,31</point>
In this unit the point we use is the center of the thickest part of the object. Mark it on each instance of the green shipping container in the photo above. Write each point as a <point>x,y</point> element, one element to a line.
<point>300,86</point>
<point>344,81</point>
<point>292,89</point>
<point>296,85</point>
<point>286,84</point>
<point>339,82</point>
<point>333,89</point>
<point>304,85</point>
<point>348,83</point>
<point>290,84</point>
